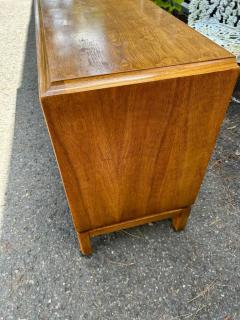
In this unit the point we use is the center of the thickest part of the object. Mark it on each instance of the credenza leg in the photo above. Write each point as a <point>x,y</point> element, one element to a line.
<point>180,220</point>
<point>85,243</point>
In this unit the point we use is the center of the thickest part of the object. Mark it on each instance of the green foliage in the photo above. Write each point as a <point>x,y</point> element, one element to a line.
<point>170,5</point>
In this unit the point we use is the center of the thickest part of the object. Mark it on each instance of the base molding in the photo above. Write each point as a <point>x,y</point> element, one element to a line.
<point>179,220</point>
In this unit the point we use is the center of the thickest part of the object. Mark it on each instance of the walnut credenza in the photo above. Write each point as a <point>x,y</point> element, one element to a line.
<point>133,100</point>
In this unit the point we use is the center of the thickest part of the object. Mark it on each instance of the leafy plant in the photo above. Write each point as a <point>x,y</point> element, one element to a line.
<point>170,5</point>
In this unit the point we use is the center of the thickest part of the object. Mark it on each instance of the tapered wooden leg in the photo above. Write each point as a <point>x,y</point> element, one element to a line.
<point>180,220</point>
<point>85,243</point>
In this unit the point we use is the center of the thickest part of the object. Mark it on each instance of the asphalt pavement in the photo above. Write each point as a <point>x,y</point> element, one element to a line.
<point>145,273</point>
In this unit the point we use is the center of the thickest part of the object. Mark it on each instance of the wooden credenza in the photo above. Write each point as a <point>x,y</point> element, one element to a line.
<point>133,100</point>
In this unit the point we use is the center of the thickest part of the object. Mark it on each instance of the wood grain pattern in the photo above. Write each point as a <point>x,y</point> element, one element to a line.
<point>130,151</point>
<point>133,109</point>
<point>86,38</point>
<point>135,77</point>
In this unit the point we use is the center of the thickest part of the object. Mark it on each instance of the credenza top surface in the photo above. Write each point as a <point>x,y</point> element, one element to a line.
<point>84,38</point>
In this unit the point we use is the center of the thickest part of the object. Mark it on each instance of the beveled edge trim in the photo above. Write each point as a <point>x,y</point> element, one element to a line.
<point>49,88</point>
<point>42,61</point>
<point>140,76</point>
<point>134,222</point>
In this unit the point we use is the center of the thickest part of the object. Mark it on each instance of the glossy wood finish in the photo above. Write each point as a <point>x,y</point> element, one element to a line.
<point>86,38</point>
<point>132,139</point>
<point>134,150</point>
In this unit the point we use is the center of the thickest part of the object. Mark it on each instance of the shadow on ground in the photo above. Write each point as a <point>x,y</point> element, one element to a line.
<point>145,273</point>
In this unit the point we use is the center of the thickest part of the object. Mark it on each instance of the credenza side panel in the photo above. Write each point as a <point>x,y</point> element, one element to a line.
<point>132,151</point>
